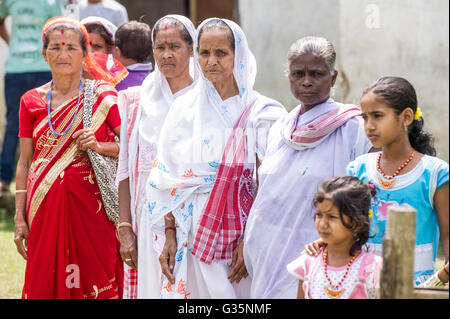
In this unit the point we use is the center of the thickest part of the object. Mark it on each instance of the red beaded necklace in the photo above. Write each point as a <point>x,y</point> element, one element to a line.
<point>334,292</point>
<point>389,181</point>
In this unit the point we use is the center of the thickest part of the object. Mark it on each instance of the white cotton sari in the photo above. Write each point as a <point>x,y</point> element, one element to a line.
<point>190,150</point>
<point>281,221</point>
<point>141,124</point>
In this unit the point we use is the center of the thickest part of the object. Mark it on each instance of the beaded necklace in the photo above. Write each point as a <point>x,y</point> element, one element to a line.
<point>389,181</point>
<point>49,113</point>
<point>334,292</point>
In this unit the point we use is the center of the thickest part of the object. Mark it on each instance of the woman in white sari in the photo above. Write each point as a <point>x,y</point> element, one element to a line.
<point>143,110</point>
<point>317,139</point>
<point>202,187</point>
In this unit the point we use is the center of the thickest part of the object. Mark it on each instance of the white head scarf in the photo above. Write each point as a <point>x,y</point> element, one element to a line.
<point>156,95</point>
<point>244,72</point>
<point>195,132</point>
<point>109,26</point>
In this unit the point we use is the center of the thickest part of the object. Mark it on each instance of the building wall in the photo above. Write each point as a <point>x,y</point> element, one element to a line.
<point>373,38</point>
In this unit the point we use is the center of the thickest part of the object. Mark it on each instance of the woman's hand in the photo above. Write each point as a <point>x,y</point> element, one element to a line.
<point>167,257</point>
<point>128,246</point>
<point>238,269</point>
<point>21,231</point>
<point>85,138</point>
<point>313,249</point>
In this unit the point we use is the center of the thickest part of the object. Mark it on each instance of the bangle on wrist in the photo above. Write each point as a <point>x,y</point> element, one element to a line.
<point>123,224</point>
<point>21,191</point>
<point>169,228</point>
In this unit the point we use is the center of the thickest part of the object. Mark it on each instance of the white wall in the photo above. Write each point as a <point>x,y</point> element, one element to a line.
<point>373,38</point>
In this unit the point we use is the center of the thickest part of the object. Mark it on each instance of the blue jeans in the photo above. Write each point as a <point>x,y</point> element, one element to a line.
<point>16,84</point>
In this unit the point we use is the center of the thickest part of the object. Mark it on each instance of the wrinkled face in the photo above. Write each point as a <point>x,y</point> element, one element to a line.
<point>98,44</point>
<point>329,225</point>
<point>310,79</point>
<point>216,56</point>
<point>171,52</point>
<point>381,124</point>
<point>64,53</point>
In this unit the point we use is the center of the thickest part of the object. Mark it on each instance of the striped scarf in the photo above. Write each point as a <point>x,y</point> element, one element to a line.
<point>221,224</point>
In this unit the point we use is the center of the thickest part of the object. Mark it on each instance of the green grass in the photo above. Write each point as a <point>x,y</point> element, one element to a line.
<point>12,265</point>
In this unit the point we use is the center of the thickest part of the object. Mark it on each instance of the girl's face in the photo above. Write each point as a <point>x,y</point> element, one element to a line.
<point>171,52</point>
<point>310,79</point>
<point>330,227</point>
<point>381,124</point>
<point>216,56</point>
<point>98,44</point>
<point>64,53</point>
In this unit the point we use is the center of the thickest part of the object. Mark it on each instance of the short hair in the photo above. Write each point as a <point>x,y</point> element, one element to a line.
<point>169,22</point>
<point>64,26</point>
<point>217,24</point>
<point>134,39</point>
<point>101,30</point>
<point>317,45</point>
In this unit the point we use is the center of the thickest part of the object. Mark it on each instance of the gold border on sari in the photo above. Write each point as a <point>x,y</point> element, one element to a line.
<point>69,154</point>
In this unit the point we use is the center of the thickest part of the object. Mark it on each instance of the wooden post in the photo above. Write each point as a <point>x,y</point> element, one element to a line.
<point>397,277</point>
<point>193,11</point>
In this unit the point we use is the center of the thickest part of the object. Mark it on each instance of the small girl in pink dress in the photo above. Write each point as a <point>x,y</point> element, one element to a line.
<point>342,269</point>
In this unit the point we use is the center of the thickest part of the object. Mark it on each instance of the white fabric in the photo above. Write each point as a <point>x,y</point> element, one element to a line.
<point>109,9</point>
<point>156,99</point>
<point>281,219</point>
<point>108,25</point>
<point>190,148</point>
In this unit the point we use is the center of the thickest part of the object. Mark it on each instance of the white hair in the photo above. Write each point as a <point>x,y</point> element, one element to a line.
<point>316,45</point>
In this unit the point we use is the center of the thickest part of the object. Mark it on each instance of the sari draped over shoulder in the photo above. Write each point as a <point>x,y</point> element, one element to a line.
<point>203,175</point>
<point>73,251</point>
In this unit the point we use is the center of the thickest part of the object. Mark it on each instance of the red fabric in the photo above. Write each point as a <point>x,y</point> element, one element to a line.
<point>33,109</point>
<point>73,251</point>
<point>130,284</point>
<point>221,224</point>
<point>324,125</point>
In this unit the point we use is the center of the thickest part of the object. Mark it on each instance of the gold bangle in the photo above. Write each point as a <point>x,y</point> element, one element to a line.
<point>118,146</point>
<point>123,224</point>
<point>21,191</point>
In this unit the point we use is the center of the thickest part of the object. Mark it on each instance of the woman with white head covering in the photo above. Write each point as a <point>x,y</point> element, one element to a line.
<point>201,188</point>
<point>143,111</point>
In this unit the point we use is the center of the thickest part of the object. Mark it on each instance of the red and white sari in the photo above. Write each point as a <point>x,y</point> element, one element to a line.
<point>73,251</point>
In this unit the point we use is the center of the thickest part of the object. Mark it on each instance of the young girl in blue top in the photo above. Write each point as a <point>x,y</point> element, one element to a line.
<point>405,171</point>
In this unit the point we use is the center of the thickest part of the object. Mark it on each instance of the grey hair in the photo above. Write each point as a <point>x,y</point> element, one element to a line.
<point>64,26</point>
<point>317,45</point>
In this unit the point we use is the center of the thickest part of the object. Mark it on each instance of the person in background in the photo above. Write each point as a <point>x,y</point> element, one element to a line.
<point>101,37</point>
<point>25,68</point>
<point>108,9</point>
<point>133,42</point>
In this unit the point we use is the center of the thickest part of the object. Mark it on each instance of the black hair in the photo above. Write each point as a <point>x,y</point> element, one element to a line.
<point>352,197</point>
<point>217,24</point>
<point>399,94</point>
<point>169,21</point>
<point>64,26</point>
<point>101,30</point>
<point>134,39</point>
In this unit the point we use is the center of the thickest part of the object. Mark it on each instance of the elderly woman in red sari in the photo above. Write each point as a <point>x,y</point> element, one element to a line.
<point>61,227</point>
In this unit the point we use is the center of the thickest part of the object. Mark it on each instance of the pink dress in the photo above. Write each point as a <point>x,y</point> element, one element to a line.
<point>361,282</point>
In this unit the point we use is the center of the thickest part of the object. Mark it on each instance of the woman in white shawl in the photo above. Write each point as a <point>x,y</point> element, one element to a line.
<point>201,188</point>
<point>143,110</point>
